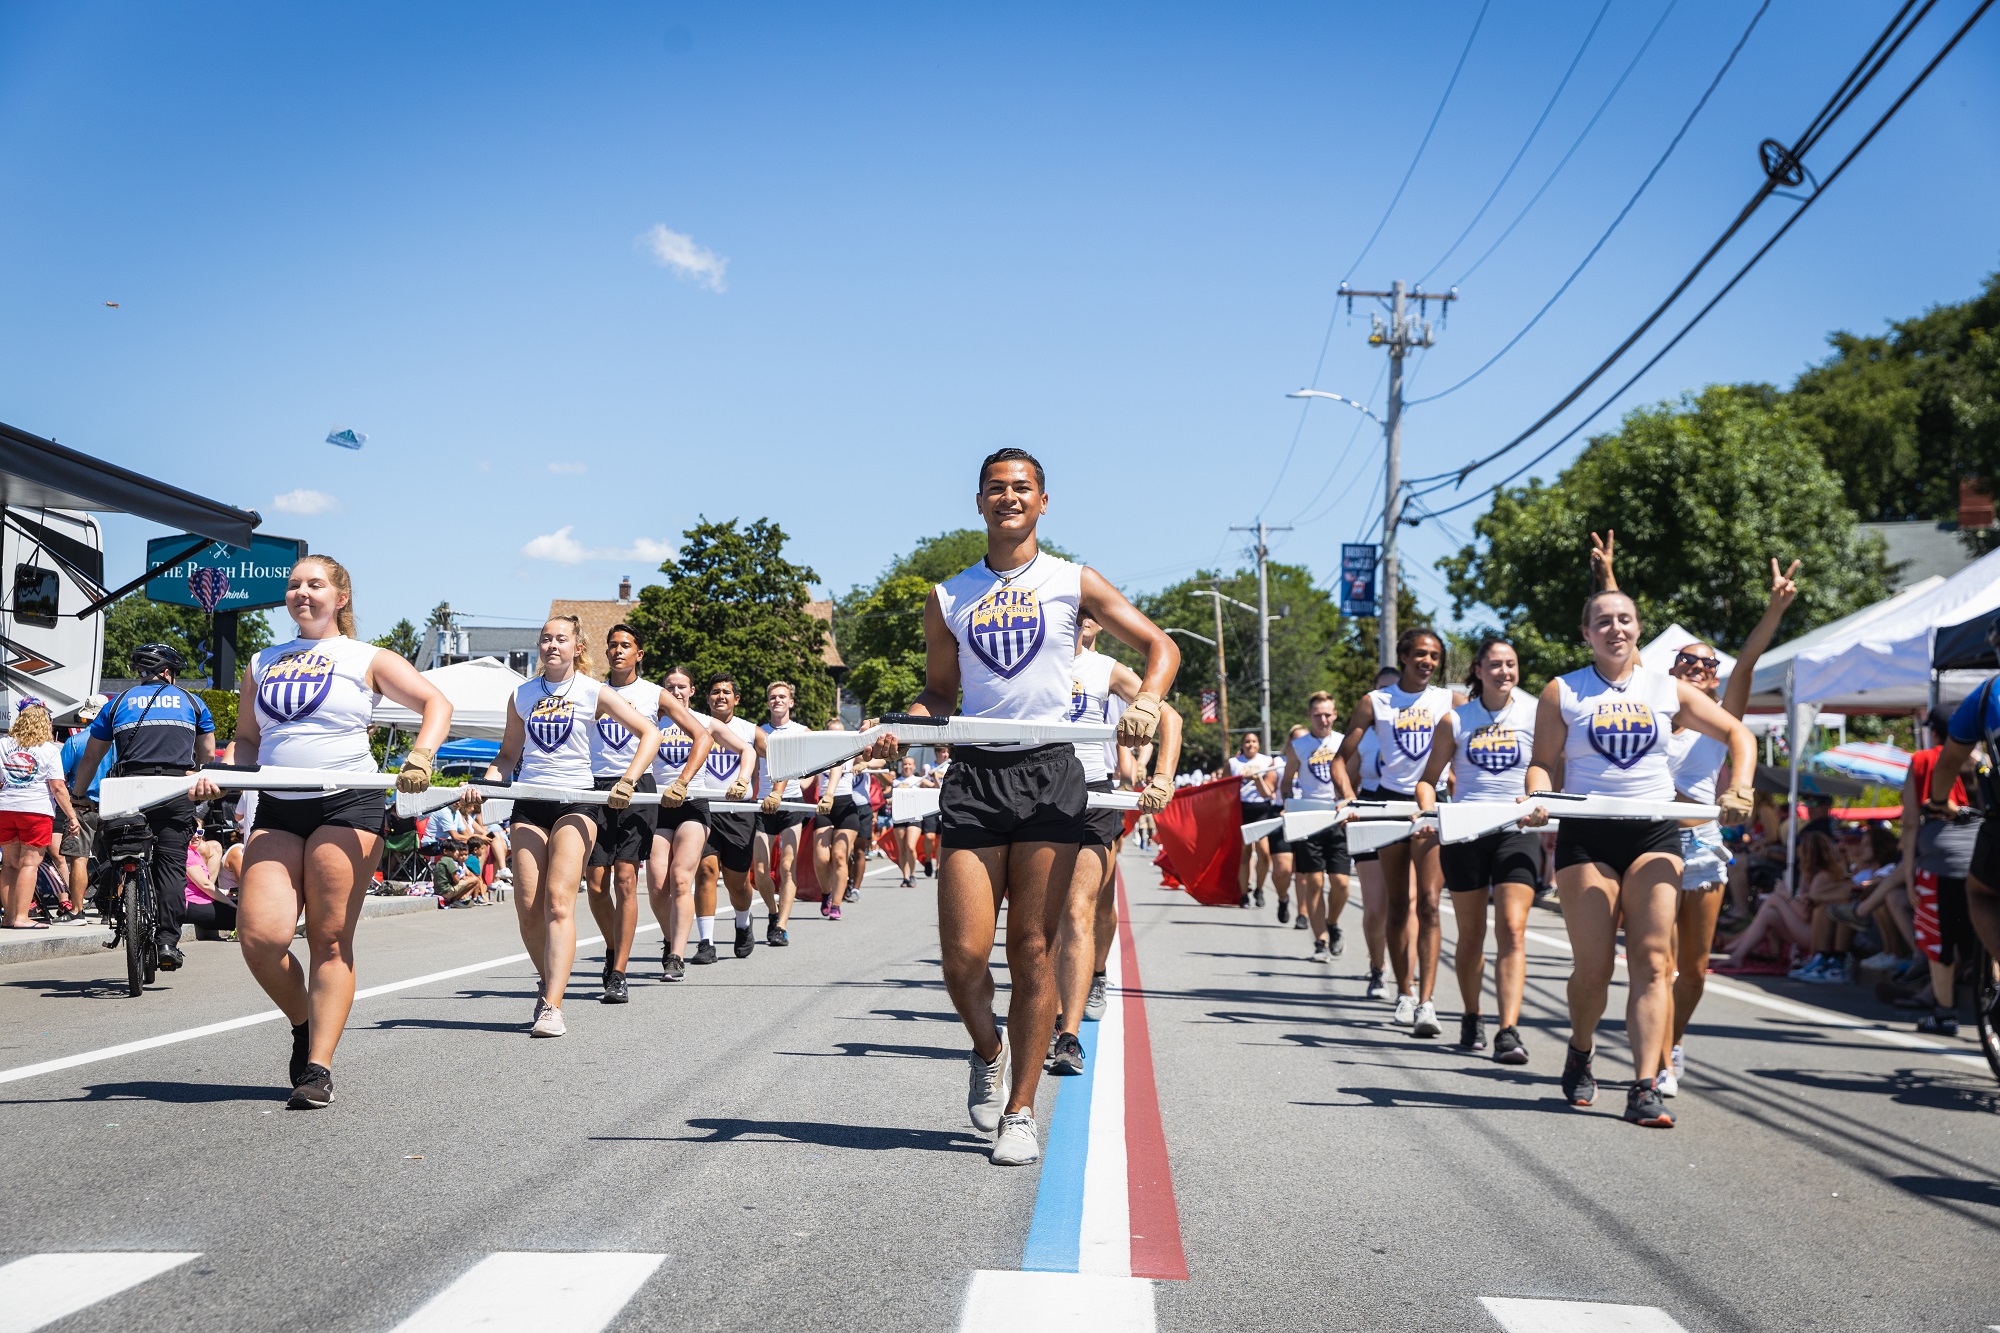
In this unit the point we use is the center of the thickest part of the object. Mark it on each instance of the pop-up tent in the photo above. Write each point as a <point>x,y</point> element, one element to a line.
<point>480,691</point>
<point>1767,687</point>
<point>1659,654</point>
<point>1893,653</point>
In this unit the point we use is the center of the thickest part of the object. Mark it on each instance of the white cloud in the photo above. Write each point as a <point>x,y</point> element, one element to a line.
<point>569,467</point>
<point>678,251</point>
<point>303,501</point>
<point>562,547</point>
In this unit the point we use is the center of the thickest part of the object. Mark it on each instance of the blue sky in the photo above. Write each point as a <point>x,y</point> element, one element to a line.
<point>900,236</point>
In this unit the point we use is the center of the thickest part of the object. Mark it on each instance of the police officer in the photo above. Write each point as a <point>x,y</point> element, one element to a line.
<point>159,729</point>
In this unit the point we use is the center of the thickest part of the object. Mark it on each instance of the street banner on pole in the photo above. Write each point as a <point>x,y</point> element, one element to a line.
<point>1357,579</point>
<point>1208,704</point>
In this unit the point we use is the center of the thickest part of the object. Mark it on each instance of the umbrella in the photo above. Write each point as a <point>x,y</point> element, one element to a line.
<point>1776,780</point>
<point>1870,761</point>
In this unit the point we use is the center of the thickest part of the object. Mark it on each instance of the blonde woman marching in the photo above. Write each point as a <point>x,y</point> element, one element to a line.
<point>548,736</point>
<point>33,797</point>
<point>307,704</point>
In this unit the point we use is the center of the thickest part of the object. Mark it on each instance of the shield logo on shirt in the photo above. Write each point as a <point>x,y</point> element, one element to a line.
<point>294,687</point>
<point>1623,731</point>
<point>1321,763</point>
<point>1007,628</point>
<point>550,722</point>
<point>675,745</point>
<point>1494,749</point>
<point>613,733</point>
<point>722,762</point>
<point>1413,728</point>
<point>20,767</point>
<point>1078,701</point>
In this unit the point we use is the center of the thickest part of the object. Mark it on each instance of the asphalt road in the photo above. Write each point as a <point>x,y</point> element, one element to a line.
<point>781,1142</point>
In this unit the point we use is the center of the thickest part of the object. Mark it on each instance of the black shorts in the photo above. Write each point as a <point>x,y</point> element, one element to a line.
<point>1254,811</point>
<point>731,839</point>
<point>1102,828</point>
<point>300,815</point>
<point>1511,856</point>
<point>1324,853</point>
<point>687,812</point>
<point>929,824</point>
<point>540,814</point>
<point>775,824</point>
<point>994,798</point>
<point>1985,855</point>
<point>624,836</point>
<point>1616,843</point>
<point>847,814</point>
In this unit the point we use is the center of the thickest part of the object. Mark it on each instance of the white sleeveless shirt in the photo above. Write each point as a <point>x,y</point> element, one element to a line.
<point>611,744</point>
<point>313,705</point>
<point>1016,639</point>
<point>1090,701</point>
<point>764,770</point>
<point>1618,735</point>
<point>1249,770</point>
<point>1695,761</point>
<point>1405,721</point>
<point>724,763</point>
<point>675,747</point>
<point>1492,750</point>
<point>558,720</point>
<point>1316,760</point>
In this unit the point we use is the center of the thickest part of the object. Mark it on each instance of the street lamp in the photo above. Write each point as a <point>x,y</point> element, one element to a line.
<point>1392,509</point>
<point>1339,398</point>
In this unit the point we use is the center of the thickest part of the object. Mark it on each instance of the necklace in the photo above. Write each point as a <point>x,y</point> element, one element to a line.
<point>1612,684</point>
<point>1007,576</point>
<point>564,693</point>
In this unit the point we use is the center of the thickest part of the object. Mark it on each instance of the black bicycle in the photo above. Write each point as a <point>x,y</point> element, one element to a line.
<point>124,890</point>
<point>1986,1005</point>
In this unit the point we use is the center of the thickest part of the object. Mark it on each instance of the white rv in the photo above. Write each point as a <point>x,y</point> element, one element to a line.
<point>52,561</point>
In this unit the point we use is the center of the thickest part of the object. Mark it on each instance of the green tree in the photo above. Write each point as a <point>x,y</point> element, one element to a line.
<point>402,639</point>
<point>1702,494</point>
<point>733,602</point>
<point>132,620</point>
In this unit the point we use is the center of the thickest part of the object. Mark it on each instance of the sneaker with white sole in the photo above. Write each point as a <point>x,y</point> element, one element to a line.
<point>986,1095</point>
<point>1019,1142</point>
<point>1406,1010</point>
<point>1094,1004</point>
<point>1378,989</point>
<point>1425,1024</point>
<point>550,1024</point>
<point>1666,1084</point>
<point>1676,1060</point>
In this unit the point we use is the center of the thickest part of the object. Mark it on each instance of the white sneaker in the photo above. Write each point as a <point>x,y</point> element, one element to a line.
<point>540,1004</point>
<point>1675,1059</point>
<point>1020,1142</point>
<point>1095,1003</point>
<point>987,1095</point>
<point>1378,989</point>
<point>1881,962</point>
<point>1426,1021</point>
<point>1666,1084</point>
<point>550,1024</point>
<point>1406,1010</point>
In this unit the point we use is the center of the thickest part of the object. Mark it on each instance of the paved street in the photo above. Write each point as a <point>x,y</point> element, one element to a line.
<point>781,1142</point>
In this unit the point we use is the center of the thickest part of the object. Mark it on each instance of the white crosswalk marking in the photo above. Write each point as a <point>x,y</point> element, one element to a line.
<point>1526,1316</point>
<point>536,1293</point>
<point>1006,1302</point>
<point>42,1288</point>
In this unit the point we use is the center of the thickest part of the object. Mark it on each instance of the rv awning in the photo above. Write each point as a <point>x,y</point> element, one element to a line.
<point>40,474</point>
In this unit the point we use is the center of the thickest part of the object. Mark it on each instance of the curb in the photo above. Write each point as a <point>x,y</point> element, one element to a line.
<point>70,942</point>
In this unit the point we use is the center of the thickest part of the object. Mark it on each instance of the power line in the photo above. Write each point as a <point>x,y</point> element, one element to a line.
<point>1508,174</point>
<point>1577,272</point>
<point>1762,250</point>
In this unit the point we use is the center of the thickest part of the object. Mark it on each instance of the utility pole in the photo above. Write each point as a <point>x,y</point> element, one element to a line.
<point>1221,670</point>
<point>1263,623</point>
<point>1400,335</point>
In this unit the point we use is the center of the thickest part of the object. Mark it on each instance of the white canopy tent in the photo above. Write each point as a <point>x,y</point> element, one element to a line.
<point>1659,654</point>
<point>481,691</point>
<point>1893,651</point>
<point>1767,686</point>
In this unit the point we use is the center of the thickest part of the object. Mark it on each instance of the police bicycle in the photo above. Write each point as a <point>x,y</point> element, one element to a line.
<point>123,887</point>
<point>1986,1005</point>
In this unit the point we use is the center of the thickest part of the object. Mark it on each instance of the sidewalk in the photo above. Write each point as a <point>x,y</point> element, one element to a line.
<point>76,939</point>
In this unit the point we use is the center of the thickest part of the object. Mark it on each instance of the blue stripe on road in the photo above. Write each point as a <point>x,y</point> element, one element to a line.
<point>1055,1236</point>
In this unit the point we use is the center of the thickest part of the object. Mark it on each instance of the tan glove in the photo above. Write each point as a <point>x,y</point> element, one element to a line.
<point>674,793</point>
<point>620,794</point>
<point>1157,793</point>
<point>771,803</point>
<point>416,774</point>
<point>738,790</point>
<point>1137,725</point>
<point>825,806</point>
<point>1737,803</point>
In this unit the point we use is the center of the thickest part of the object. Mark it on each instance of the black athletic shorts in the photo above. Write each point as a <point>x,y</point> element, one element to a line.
<point>1325,852</point>
<point>624,835</point>
<point>691,811</point>
<point>848,814</point>
<point>732,837</point>
<point>541,814</point>
<point>300,815</point>
<point>1615,842</point>
<point>1986,856</point>
<point>776,824</point>
<point>1511,856</point>
<point>1254,811</point>
<point>930,824</point>
<point>1102,828</point>
<point>994,798</point>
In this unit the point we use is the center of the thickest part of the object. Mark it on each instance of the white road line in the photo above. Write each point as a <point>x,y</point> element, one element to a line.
<point>536,1293</point>
<point>1521,1316</point>
<point>1811,1013</point>
<point>267,1016</point>
<point>42,1288</point>
<point>1004,1302</point>
<point>1104,1240</point>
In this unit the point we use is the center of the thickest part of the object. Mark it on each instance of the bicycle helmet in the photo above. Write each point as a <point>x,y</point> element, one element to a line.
<point>150,659</point>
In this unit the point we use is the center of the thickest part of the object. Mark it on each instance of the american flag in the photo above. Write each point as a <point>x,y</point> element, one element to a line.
<point>1208,705</point>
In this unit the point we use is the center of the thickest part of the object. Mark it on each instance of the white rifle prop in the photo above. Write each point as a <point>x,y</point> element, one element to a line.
<point>912,803</point>
<point>1466,821</point>
<point>1305,818</point>
<point>1372,835</point>
<point>795,754</point>
<point>411,805</point>
<point>119,798</point>
<point>1262,828</point>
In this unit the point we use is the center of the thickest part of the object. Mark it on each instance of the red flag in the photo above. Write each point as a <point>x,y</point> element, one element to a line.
<point>1201,836</point>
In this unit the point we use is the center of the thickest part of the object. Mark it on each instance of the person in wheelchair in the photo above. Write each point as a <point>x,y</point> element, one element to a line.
<point>159,729</point>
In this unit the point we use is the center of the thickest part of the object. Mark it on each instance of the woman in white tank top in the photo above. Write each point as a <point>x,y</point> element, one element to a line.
<point>548,743</point>
<point>1404,717</point>
<point>306,704</point>
<point>1603,730</point>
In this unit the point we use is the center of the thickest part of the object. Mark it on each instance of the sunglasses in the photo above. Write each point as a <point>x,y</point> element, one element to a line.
<point>1695,663</point>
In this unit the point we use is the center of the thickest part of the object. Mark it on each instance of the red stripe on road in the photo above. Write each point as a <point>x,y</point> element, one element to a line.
<point>1156,1221</point>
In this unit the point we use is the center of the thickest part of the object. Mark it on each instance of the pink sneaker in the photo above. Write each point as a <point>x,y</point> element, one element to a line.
<point>834,912</point>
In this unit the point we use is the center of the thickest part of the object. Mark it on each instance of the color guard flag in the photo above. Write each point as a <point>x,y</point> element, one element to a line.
<point>1208,705</point>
